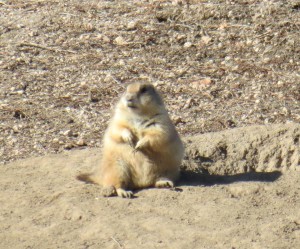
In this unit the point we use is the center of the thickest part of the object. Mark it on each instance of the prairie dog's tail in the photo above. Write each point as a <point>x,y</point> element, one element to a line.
<point>87,178</point>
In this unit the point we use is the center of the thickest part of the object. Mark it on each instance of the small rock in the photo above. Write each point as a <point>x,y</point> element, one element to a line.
<point>187,45</point>
<point>120,41</point>
<point>33,33</point>
<point>122,63</point>
<point>177,120</point>
<point>20,92</point>
<point>69,146</point>
<point>280,83</point>
<point>285,111</point>
<point>68,133</point>
<point>15,129</point>
<point>104,38</point>
<point>205,39</point>
<point>201,84</point>
<point>81,142</point>
<point>55,140</point>
<point>180,37</point>
<point>188,103</point>
<point>132,25</point>
<point>83,84</point>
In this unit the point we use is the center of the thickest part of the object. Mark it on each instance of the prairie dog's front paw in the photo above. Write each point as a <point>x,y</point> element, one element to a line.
<point>127,137</point>
<point>123,193</point>
<point>141,144</point>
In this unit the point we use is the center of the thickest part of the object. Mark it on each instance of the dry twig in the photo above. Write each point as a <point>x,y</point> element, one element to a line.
<point>118,243</point>
<point>26,44</point>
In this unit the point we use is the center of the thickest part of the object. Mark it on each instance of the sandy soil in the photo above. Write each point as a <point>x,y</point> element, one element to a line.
<point>218,64</point>
<point>44,206</point>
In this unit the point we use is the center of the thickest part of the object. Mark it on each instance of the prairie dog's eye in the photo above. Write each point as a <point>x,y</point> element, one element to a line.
<point>143,89</point>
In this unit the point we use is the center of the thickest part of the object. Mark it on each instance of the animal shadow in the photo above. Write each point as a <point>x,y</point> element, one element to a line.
<point>192,178</point>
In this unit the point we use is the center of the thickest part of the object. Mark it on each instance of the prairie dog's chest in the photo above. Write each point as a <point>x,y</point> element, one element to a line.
<point>137,125</point>
<point>141,124</point>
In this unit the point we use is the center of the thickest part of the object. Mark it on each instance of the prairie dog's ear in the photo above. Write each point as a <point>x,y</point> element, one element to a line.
<point>147,88</point>
<point>143,89</point>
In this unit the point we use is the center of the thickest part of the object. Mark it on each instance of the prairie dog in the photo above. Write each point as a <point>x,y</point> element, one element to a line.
<point>141,145</point>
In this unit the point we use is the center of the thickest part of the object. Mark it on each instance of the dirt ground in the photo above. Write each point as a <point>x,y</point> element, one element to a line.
<point>218,64</point>
<point>44,206</point>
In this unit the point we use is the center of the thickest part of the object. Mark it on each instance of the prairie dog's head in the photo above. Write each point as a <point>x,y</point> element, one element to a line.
<point>142,98</point>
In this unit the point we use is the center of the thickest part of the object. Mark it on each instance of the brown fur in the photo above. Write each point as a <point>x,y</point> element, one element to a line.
<point>141,146</point>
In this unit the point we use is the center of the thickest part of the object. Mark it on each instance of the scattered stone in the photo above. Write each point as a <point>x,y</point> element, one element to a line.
<point>177,120</point>
<point>132,25</point>
<point>188,103</point>
<point>55,140</point>
<point>120,41</point>
<point>187,45</point>
<point>206,39</point>
<point>69,146</point>
<point>81,142</point>
<point>68,133</point>
<point>16,129</point>
<point>201,84</point>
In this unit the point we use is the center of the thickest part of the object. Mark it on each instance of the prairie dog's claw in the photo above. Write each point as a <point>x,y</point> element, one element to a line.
<point>127,137</point>
<point>141,144</point>
<point>124,194</point>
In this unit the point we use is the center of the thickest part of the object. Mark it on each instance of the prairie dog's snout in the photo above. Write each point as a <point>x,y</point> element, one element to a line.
<point>130,99</point>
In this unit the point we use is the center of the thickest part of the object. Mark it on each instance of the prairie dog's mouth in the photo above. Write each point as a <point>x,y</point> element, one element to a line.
<point>130,104</point>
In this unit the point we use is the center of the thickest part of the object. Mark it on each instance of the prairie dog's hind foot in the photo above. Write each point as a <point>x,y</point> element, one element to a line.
<point>124,193</point>
<point>164,183</point>
<point>112,191</point>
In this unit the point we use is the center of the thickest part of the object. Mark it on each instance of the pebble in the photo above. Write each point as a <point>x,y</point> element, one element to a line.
<point>68,133</point>
<point>55,140</point>
<point>201,84</point>
<point>81,142</point>
<point>132,25</point>
<point>187,45</point>
<point>120,41</point>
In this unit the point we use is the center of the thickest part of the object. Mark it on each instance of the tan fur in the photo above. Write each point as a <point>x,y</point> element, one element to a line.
<point>141,146</point>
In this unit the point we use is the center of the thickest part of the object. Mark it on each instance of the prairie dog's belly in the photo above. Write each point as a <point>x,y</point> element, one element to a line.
<point>143,172</point>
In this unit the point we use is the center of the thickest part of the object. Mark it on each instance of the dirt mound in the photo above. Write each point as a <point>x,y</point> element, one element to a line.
<point>249,149</point>
<point>44,206</point>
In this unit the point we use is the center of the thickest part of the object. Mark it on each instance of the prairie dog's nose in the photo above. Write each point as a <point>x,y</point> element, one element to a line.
<point>129,97</point>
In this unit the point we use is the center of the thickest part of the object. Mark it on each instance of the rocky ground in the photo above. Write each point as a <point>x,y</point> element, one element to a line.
<point>218,64</point>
